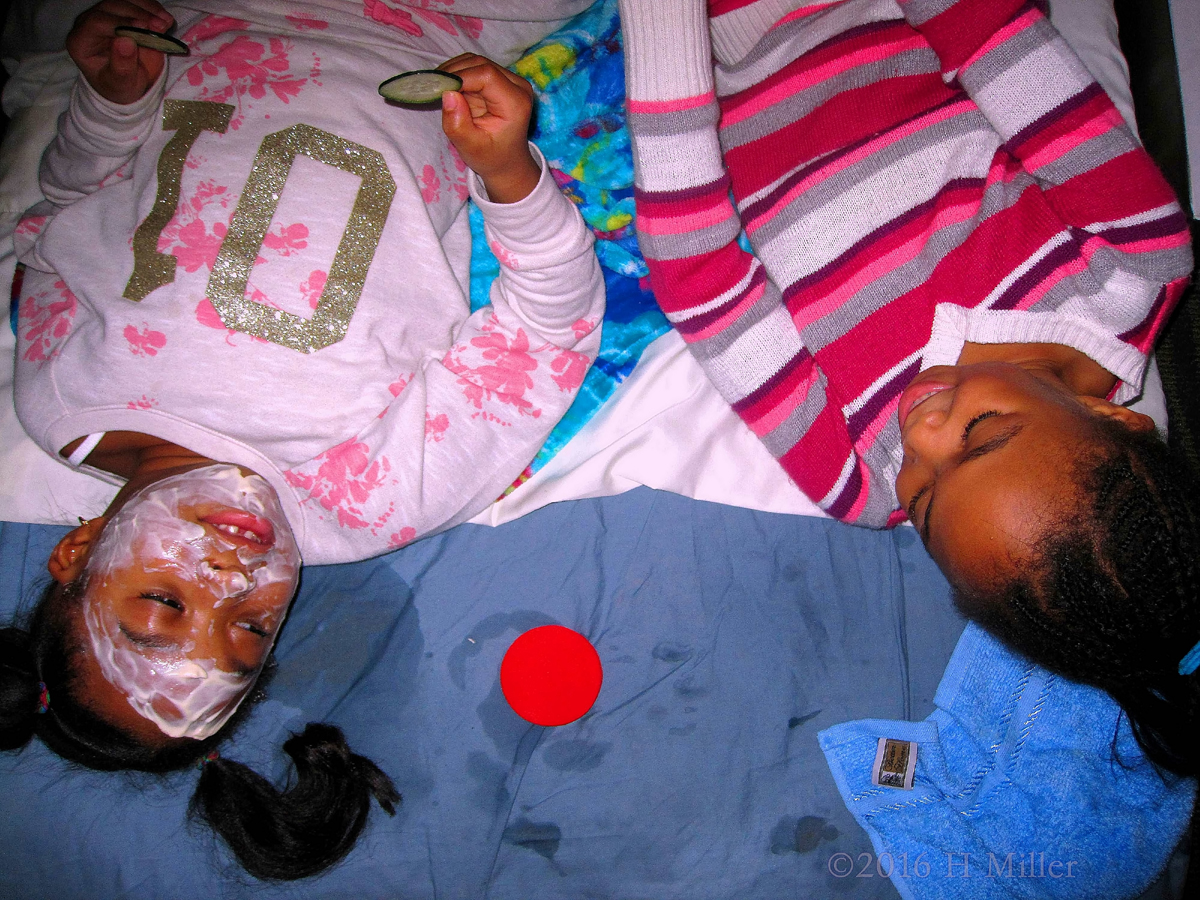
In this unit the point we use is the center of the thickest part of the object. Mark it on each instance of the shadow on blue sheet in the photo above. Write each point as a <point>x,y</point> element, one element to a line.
<point>728,638</point>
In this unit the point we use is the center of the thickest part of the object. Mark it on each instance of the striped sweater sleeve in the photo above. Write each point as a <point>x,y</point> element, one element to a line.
<point>1059,124</point>
<point>717,295</point>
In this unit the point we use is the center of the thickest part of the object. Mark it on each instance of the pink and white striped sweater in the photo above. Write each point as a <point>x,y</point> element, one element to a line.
<point>911,176</point>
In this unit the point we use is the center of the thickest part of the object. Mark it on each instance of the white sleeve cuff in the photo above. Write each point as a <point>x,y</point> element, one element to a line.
<point>541,230</point>
<point>115,128</point>
<point>668,54</point>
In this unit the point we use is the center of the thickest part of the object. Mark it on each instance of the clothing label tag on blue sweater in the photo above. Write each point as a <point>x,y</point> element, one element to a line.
<point>895,762</point>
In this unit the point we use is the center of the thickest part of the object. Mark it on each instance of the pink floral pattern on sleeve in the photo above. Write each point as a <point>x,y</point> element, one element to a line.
<point>26,233</point>
<point>120,174</point>
<point>344,479</point>
<point>396,388</point>
<point>506,257</point>
<point>569,368</point>
<point>45,321</point>
<point>436,427</point>
<point>582,328</point>
<point>31,226</point>
<point>494,369</point>
<point>460,176</point>
<point>405,535</point>
<point>404,18</point>
<point>431,185</point>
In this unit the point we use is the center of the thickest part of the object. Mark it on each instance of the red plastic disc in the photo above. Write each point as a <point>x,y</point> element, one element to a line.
<point>551,675</point>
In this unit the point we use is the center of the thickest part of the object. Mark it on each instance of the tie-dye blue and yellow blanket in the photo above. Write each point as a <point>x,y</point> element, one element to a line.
<point>578,74</point>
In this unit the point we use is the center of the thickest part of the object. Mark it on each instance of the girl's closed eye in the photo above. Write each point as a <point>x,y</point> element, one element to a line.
<point>975,420</point>
<point>257,628</point>
<point>164,599</point>
<point>149,641</point>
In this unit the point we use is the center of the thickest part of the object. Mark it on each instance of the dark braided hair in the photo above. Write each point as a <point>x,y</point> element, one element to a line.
<point>1111,597</point>
<point>275,834</point>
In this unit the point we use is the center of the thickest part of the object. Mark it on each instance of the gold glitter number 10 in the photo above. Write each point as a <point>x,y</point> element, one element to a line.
<point>251,219</point>
<point>187,118</point>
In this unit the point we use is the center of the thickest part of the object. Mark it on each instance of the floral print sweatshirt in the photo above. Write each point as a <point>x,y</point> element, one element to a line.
<point>265,263</point>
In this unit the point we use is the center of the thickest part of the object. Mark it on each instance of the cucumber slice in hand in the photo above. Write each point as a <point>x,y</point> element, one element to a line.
<point>153,40</point>
<point>420,87</point>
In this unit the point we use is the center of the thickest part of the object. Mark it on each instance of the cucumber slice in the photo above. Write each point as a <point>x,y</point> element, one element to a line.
<point>420,87</point>
<point>144,37</point>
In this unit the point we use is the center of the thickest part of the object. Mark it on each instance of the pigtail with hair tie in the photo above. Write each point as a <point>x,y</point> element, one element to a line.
<point>304,829</point>
<point>209,757</point>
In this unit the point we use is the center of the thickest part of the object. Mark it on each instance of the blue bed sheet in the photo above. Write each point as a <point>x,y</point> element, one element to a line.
<point>729,638</point>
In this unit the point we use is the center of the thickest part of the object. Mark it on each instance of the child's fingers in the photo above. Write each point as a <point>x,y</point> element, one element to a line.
<point>485,79</point>
<point>459,61</point>
<point>456,118</point>
<point>477,65</point>
<point>108,14</point>
<point>156,12</point>
<point>487,120</point>
<point>115,66</point>
<point>463,61</point>
<point>123,61</point>
<point>94,32</point>
<point>150,13</point>
<point>476,146</point>
<point>489,92</point>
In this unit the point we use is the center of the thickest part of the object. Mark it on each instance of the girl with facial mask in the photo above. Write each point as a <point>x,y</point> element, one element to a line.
<point>272,378</point>
<point>159,621</point>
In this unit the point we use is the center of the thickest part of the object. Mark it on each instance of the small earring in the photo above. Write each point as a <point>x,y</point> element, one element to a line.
<point>83,521</point>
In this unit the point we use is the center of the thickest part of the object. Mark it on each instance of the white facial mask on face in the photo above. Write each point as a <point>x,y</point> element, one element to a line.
<point>194,697</point>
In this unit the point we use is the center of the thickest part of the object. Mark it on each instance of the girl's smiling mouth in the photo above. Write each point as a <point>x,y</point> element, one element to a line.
<point>242,527</point>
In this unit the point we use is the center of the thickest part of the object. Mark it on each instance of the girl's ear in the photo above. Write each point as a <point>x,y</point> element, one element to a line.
<point>69,557</point>
<point>1130,418</point>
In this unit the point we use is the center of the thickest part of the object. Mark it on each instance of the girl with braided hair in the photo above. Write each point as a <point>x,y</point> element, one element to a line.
<point>958,258</point>
<point>156,628</point>
<point>1110,597</point>
<point>274,834</point>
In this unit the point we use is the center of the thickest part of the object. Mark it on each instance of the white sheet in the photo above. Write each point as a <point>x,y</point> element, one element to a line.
<point>666,427</point>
